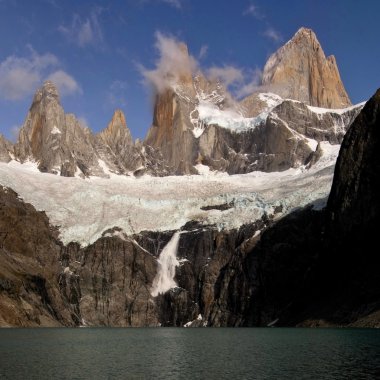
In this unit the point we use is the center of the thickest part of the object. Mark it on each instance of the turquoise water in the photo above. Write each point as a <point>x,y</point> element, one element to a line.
<point>177,353</point>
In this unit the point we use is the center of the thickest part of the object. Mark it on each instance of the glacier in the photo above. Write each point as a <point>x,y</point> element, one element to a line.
<point>84,209</point>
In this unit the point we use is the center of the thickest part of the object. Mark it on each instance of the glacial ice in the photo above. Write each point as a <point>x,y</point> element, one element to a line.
<point>84,208</point>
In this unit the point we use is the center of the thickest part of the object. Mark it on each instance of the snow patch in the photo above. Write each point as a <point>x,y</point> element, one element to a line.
<point>339,111</point>
<point>105,168</point>
<point>229,118</point>
<point>55,131</point>
<point>205,170</point>
<point>67,271</point>
<point>272,100</point>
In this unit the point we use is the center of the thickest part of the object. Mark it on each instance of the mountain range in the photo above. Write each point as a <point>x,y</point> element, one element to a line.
<point>222,216</point>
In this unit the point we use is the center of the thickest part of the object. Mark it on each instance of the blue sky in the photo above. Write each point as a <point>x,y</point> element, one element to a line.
<point>97,51</point>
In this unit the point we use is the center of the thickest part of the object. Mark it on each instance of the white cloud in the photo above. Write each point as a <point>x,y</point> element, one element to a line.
<point>228,75</point>
<point>20,76</point>
<point>241,82</point>
<point>85,31</point>
<point>203,51</point>
<point>273,34</point>
<point>252,83</point>
<point>173,63</point>
<point>66,84</point>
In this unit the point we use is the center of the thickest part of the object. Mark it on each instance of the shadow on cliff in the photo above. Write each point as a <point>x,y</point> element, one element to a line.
<point>320,268</point>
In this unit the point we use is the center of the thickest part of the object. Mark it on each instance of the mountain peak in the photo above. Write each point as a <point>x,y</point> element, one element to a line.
<point>47,91</point>
<point>184,49</point>
<point>300,70</point>
<point>118,120</point>
<point>117,133</point>
<point>305,32</point>
<point>305,38</point>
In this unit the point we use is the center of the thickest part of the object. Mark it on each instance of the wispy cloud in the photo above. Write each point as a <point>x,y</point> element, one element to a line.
<point>83,122</point>
<point>66,84</point>
<point>53,3</point>
<point>116,94</point>
<point>270,32</point>
<point>178,4</point>
<point>273,34</point>
<point>228,75</point>
<point>253,10</point>
<point>252,83</point>
<point>174,3</point>
<point>15,131</point>
<point>203,51</point>
<point>173,63</point>
<point>84,31</point>
<point>241,82</point>
<point>20,76</point>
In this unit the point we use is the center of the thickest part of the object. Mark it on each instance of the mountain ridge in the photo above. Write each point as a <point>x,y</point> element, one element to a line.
<point>305,268</point>
<point>195,121</point>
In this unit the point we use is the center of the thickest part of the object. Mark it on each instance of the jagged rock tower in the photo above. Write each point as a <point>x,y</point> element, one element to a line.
<point>299,70</point>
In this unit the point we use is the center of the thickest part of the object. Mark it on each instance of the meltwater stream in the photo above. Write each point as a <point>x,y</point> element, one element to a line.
<point>167,262</point>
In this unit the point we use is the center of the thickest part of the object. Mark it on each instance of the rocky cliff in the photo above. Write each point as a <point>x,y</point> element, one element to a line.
<point>300,70</point>
<point>6,149</point>
<point>354,200</point>
<point>61,145</point>
<point>314,268</point>
<point>197,121</point>
<point>29,267</point>
<point>338,284</point>
<point>54,139</point>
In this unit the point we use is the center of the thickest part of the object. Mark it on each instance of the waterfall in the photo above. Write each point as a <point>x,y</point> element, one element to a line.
<point>167,262</point>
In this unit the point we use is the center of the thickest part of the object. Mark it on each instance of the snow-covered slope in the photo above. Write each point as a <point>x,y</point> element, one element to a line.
<point>84,209</point>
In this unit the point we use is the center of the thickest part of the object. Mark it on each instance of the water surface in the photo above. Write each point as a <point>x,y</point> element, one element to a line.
<point>177,353</point>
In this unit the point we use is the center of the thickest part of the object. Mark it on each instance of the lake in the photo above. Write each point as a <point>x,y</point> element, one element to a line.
<point>178,353</point>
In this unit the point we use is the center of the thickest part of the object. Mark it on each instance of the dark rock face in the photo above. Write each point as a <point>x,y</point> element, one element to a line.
<point>29,267</point>
<point>325,126</point>
<point>116,277</point>
<point>277,144</point>
<point>354,199</point>
<point>337,283</point>
<point>115,280</point>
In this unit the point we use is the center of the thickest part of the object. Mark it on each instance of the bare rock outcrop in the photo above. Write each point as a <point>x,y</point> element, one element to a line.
<point>29,267</point>
<point>55,140</point>
<point>6,149</point>
<point>196,121</point>
<point>299,70</point>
